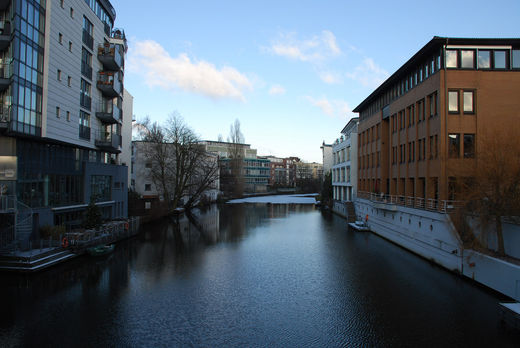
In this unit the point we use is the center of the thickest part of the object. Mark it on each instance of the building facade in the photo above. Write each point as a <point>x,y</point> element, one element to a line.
<point>328,161</point>
<point>428,120</point>
<point>344,169</point>
<point>282,172</point>
<point>61,91</point>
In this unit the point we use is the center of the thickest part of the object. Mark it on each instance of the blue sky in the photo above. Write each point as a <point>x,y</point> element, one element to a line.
<point>290,71</point>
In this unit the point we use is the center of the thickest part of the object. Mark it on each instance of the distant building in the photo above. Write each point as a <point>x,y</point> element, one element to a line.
<point>326,151</point>
<point>282,172</point>
<point>255,170</point>
<point>344,170</point>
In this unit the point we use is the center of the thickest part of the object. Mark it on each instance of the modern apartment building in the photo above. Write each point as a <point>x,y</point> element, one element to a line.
<point>255,170</point>
<point>61,91</point>
<point>430,117</point>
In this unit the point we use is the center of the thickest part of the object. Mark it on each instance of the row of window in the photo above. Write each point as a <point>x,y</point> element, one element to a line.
<point>342,155</point>
<point>454,145</point>
<point>372,160</point>
<point>424,70</point>
<point>499,59</point>
<point>341,174</point>
<point>399,153</point>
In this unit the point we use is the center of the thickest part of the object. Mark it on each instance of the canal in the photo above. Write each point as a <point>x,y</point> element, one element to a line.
<point>247,275</point>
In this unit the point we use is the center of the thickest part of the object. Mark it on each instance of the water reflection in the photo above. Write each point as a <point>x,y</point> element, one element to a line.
<point>249,275</point>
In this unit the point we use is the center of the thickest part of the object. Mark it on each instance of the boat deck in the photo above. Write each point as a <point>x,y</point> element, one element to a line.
<point>510,314</point>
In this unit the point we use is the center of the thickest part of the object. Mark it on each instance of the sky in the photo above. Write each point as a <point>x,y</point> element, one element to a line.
<point>290,71</point>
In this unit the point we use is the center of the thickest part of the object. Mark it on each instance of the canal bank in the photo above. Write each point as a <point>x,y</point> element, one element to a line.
<point>52,252</point>
<point>432,235</point>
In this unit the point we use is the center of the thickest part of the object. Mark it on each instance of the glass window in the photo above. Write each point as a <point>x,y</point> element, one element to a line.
<point>453,101</point>
<point>454,145</point>
<point>451,58</point>
<point>469,145</point>
<point>516,59</point>
<point>468,101</point>
<point>500,59</point>
<point>467,59</point>
<point>484,61</point>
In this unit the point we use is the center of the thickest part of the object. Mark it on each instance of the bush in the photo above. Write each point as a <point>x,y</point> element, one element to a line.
<point>53,232</point>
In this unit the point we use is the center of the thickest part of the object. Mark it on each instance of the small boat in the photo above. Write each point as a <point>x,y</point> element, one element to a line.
<point>360,226</point>
<point>101,250</point>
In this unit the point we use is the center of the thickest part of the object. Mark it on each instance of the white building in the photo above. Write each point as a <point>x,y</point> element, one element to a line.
<point>344,168</point>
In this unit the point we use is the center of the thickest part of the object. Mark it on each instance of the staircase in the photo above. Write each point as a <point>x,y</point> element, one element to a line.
<point>351,211</point>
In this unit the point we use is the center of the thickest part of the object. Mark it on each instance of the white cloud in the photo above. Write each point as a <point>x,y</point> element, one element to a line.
<point>151,60</point>
<point>333,108</point>
<point>368,73</point>
<point>330,77</point>
<point>315,49</point>
<point>276,90</point>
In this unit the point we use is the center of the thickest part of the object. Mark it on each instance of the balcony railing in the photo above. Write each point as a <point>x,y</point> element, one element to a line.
<point>5,34</point>
<point>88,40</point>
<point>109,142</point>
<point>443,206</point>
<point>84,132</point>
<point>110,83</point>
<point>111,56</point>
<point>109,112</point>
<point>85,101</point>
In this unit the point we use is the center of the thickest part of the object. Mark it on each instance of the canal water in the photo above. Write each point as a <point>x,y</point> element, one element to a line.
<point>247,275</point>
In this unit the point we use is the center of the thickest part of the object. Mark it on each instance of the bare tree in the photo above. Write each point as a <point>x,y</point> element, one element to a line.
<point>180,167</point>
<point>491,187</point>
<point>236,157</point>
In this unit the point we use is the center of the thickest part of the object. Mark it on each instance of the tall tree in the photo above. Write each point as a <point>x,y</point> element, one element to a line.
<point>179,166</point>
<point>236,157</point>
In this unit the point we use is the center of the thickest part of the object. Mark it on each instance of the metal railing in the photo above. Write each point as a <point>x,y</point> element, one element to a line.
<point>431,204</point>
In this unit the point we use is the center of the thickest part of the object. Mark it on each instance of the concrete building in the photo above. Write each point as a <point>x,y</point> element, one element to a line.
<point>344,170</point>
<point>61,91</point>
<point>326,151</point>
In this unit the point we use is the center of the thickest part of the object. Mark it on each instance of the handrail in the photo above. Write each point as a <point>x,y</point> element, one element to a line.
<point>410,201</point>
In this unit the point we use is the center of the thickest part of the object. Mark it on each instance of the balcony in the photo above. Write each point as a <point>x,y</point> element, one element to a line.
<point>88,40</point>
<point>5,76</point>
<point>110,83</point>
<point>109,142</point>
<point>109,112</point>
<point>86,70</point>
<point>5,34</point>
<point>111,56</point>
<point>84,132</point>
<point>5,116</point>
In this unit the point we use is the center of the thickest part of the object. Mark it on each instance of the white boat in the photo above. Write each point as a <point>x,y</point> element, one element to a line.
<point>360,226</point>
